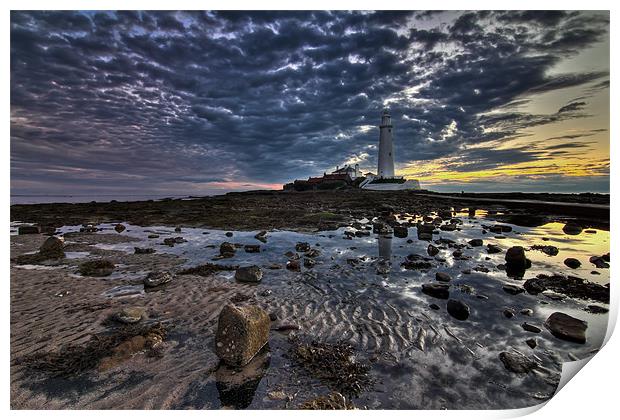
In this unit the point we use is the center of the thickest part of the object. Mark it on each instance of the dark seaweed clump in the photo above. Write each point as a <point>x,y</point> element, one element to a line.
<point>75,359</point>
<point>333,401</point>
<point>334,364</point>
<point>208,269</point>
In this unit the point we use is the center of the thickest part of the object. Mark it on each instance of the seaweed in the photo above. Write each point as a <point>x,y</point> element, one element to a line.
<point>334,364</point>
<point>75,359</point>
<point>333,401</point>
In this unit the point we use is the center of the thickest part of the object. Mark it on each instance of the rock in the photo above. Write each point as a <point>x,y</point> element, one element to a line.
<point>566,327</point>
<point>493,249</point>
<point>177,229</point>
<point>302,247</point>
<point>261,236</point>
<point>423,236</point>
<point>449,227</point>
<point>153,236</point>
<point>515,256</point>
<point>595,309</point>
<point>570,286</point>
<point>532,342</point>
<point>434,306</point>
<point>436,290</point>
<point>293,265</point>
<point>425,228</point>
<point>241,333</point>
<point>512,289</point>
<point>416,262</point>
<point>550,250</point>
<point>229,234</point>
<point>157,278</point>
<point>227,249</point>
<point>517,363</point>
<point>97,268</point>
<point>599,262</point>
<point>475,242</point>
<point>572,263</point>
<point>53,247</point>
<point>143,250</point>
<point>252,248</point>
<point>572,229</point>
<point>531,328</point>
<point>130,315</point>
<point>313,253</point>
<point>432,250</point>
<point>527,312</point>
<point>28,230</point>
<point>119,228</point>
<point>509,313</point>
<point>401,231</point>
<point>309,262</point>
<point>249,274</point>
<point>440,276</point>
<point>458,309</point>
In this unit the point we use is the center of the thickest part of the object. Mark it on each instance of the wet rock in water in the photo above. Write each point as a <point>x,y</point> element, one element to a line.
<point>28,230</point>
<point>515,256</point>
<point>130,315</point>
<point>449,227</point>
<point>566,327</point>
<point>434,306</point>
<point>241,332</point>
<point>512,289</point>
<point>227,249</point>
<point>333,401</point>
<point>249,274</point>
<point>309,262</point>
<point>531,328</point>
<point>53,248</point>
<point>138,250</point>
<point>436,290</point>
<point>261,236</point>
<point>88,228</point>
<point>229,234</point>
<point>400,231</point>
<point>509,313</point>
<point>573,287</point>
<point>572,229</point>
<point>516,362</point>
<point>532,342</point>
<point>425,228</point>
<point>595,309</point>
<point>252,248</point>
<point>97,268</point>
<point>550,250</point>
<point>475,242</point>
<point>416,262</point>
<point>432,250</point>
<point>119,228</point>
<point>444,277</point>
<point>381,228</point>
<point>302,247</point>
<point>174,241</point>
<point>293,265</point>
<point>158,278</point>
<point>493,249</point>
<point>291,255</point>
<point>458,309</point>
<point>527,312</point>
<point>313,253</point>
<point>153,236</point>
<point>599,262</point>
<point>572,263</point>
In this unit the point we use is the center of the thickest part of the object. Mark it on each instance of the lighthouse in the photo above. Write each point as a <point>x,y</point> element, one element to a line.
<point>386,154</point>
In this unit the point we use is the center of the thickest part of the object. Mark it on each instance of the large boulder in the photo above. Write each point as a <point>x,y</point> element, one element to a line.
<point>249,274</point>
<point>53,247</point>
<point>241,332</point>
<point>157,278</point>
<point>566,327</point>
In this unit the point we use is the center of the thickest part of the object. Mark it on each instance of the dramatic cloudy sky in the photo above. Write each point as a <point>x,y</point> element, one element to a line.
<point>201,102</point>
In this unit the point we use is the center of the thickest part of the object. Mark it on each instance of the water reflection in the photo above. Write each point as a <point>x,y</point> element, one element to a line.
<point>385,247</point>
<point>237,386</point>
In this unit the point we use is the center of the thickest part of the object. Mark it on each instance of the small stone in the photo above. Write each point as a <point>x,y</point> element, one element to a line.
<point>572,263</point>
<point>138,250</point>
<point>157,278</point>
<point>595,309</point>
<point>432,250</point>
<point>261,236</point>
<point>532,342</point>
<point>293,265</point>
<point>249,274</point>
<point>434,306</point>
<point>458,309</point>
<point>444,277</point>
<point>242,332</point>
<point>509,313</point>
<point>513,290</point>
<point>229,234</point>
<point>53,247</point>
<point>531,328</point>
<point>309,262</point>
<point>130,315</point>
<point>177,229</point>
<point>475,242</point>
<point>252,248</point>
<point>400,231</point>
<point>493,249</point>
<point>153,236</point>
<point>119,228</point>
<point>599,262</point>
<point>527,312</point>
<point>97,268</point>
<point>227,249</point>
<point>572,229</point>
<point>566,327</point>
<point>440,291</point>
<point>302,247</point>
<point>515,256</point>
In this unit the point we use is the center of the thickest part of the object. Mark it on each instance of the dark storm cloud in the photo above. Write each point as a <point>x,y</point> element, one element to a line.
<point>163,100</point>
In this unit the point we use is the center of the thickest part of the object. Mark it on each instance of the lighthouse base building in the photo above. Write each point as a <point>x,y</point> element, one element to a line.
<point>385,180</point>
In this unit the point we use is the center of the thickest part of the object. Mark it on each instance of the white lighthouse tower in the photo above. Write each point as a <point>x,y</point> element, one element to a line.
<point>386,180</point>
<point>386,154</point>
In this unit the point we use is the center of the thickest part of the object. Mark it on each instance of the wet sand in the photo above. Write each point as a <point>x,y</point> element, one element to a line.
<point>420,357</point>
